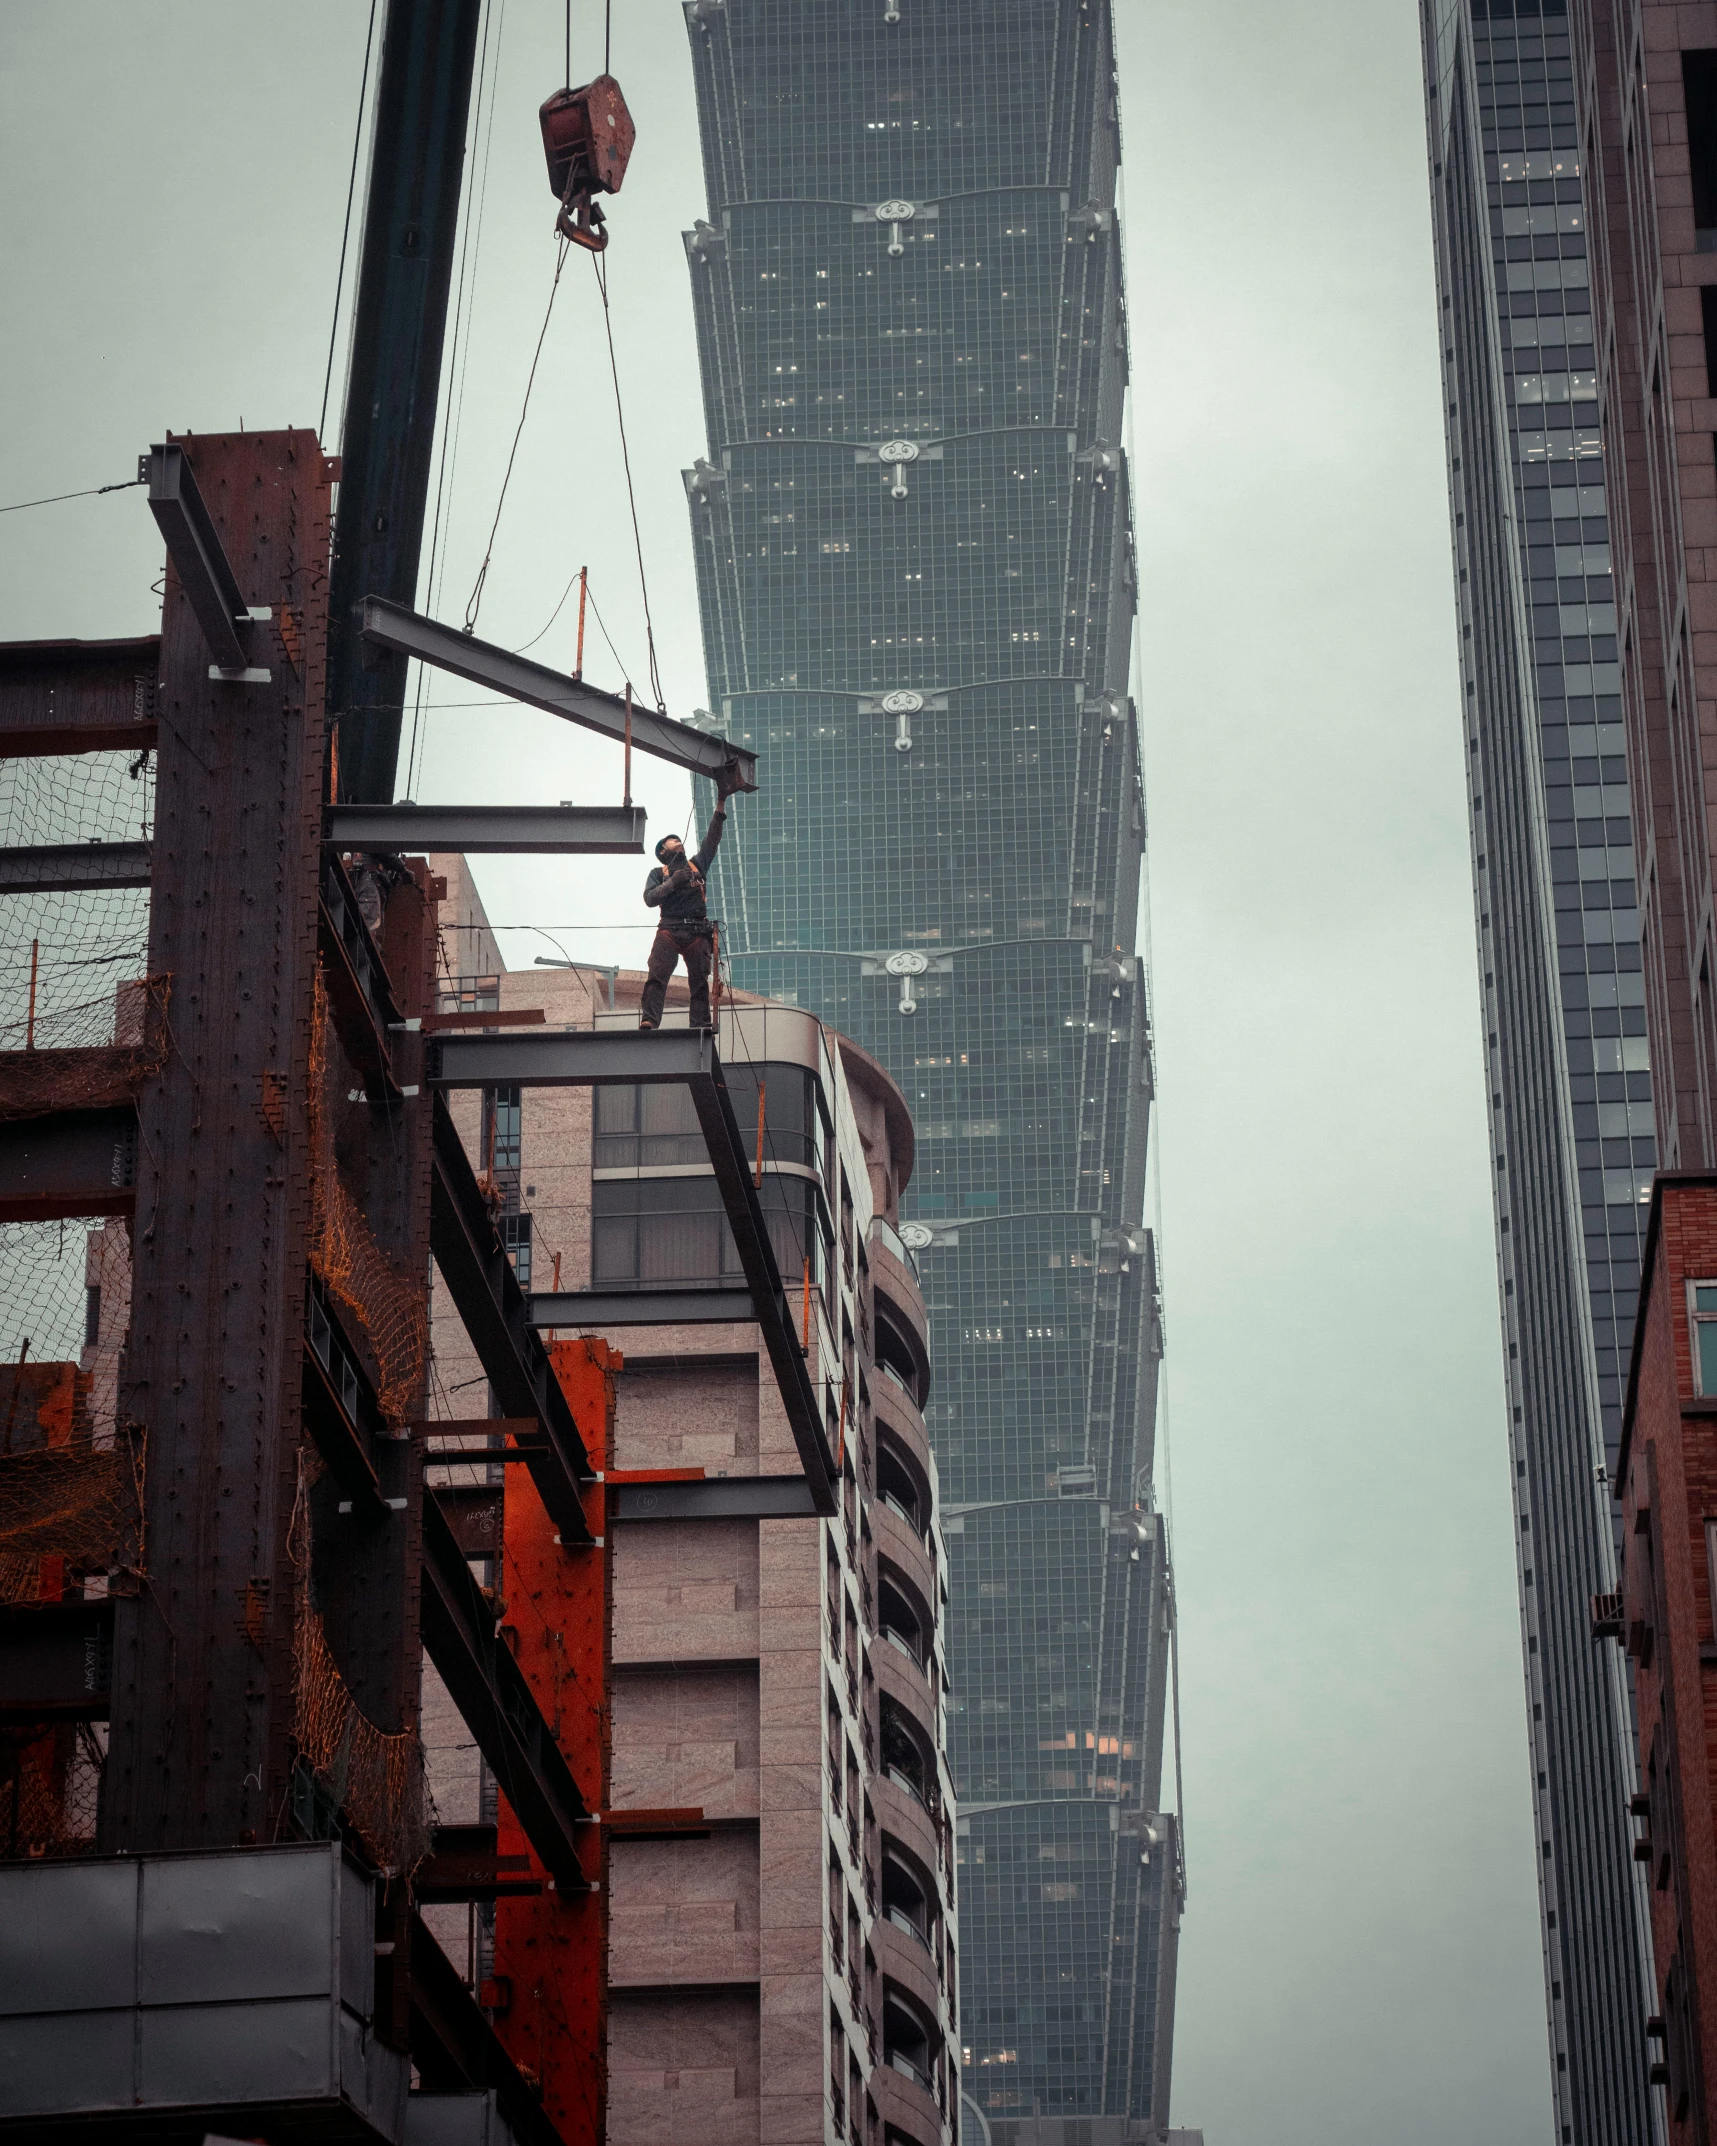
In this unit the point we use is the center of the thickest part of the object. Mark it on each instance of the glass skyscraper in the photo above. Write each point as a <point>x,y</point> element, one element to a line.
<point>1569,1080</point>
<point>917,586</point>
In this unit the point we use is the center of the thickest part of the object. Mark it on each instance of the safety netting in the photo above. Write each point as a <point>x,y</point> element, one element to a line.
<point>71,1493</point>
<point>377,1780</point>
<point>388,1308</point>
<point>65,953</point>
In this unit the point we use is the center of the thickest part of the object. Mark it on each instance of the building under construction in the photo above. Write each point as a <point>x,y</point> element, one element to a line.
<point>354,1715</point>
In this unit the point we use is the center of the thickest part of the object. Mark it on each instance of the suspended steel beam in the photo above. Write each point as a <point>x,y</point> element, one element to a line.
<point>643,1307</point>
<point>71,867</point>
<point>411,215</point>
<point>392,627</point>
<point>491,830</point>
<point>198,556</point>
<point>686,1056</point>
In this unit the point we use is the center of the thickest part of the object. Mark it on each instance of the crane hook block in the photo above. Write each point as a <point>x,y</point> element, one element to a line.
<point>587,138</point>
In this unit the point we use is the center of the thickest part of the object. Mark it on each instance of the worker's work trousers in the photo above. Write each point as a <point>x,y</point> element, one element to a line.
<point>697,945</point>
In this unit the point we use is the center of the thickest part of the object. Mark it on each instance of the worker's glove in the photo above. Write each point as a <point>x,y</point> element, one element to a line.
<point>728,780</point>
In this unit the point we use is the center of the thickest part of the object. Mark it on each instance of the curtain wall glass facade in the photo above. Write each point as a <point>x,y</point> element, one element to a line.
<point>917,587</point>
<point>1568,1073</point>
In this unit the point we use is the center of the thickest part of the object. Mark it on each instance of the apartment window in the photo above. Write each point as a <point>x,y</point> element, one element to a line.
<point>516,1239</point>
<point>1708,321</point>
<point>666,1230</point>
<point>1711,1568</point>
<point>1699,87</point>
<point>503,1114</point>
<point>1702,1311</point>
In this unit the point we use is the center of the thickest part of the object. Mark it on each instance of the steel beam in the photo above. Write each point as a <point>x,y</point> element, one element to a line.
<point>78,696</point>
<point>723,1497</point>
<point>75,1162</point>
<point>491,1307</point>
<point>56,1662</point>
<point>491,830</point>
<point>497,1703</point>
<point>70,867</point>
<point>399,319</point>
<point>579,1058</point>
<point>198,555</point>
<point>455,2048</point>
<point>605,1308</point>
<point>687,1056</point>
<point>391,626</point>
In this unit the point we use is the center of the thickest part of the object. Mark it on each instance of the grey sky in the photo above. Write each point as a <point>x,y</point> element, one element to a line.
<point>1360,1958</point>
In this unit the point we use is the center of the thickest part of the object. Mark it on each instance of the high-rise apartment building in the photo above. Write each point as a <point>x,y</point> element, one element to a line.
<point>916,576</point>
<point>783,1967</point>
<point>1567,1058</point>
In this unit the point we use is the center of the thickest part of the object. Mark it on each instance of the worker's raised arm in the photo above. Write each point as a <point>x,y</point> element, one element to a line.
<point>725,784</point>
<point>712,837</point>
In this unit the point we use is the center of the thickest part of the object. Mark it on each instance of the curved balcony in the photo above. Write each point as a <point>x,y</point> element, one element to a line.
<point>902,1343</point>
<point>894,1277</point>
<point>902,2081</point>
<point>900,1811</point>
<point>906,1964</point>
<point>901,1545</point>
<point>907,2110</point>
<point>904,1680</point>
<point>897,1411</point>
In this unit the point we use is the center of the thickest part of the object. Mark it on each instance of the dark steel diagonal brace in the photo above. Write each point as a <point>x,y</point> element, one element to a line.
<point>195,548</point>
<point>497,1704</point>
<point>492,1309</point>
<point>688,1058</point>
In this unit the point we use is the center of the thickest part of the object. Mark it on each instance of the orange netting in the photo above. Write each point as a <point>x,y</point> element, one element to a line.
<point>377,1780</point>
<point>390,1310</point>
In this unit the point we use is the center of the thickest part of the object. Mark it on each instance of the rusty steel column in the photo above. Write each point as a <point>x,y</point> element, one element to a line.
<point>551,1951</point>
<point>202,1688</point>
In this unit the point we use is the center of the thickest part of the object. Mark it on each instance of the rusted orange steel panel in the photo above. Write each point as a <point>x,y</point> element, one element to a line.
<point>551,1951</point>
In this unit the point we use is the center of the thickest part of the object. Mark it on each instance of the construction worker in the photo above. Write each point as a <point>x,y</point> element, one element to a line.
<point>675,890</point>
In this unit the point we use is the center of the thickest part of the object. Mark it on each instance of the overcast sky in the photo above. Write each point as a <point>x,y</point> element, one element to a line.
<point>1360,1957</point>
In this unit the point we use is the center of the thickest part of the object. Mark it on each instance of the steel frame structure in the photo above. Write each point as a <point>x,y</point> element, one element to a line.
<point>243,1356</point>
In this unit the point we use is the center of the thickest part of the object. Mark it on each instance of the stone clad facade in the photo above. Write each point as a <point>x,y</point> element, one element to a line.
<point>785,1970</point>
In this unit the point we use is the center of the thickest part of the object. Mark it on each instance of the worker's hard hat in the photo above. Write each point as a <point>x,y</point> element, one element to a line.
<point>663,843</point>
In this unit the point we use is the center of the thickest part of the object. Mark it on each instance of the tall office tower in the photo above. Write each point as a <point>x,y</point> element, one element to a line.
<point>1564,1001</point>
<point>915,570</point>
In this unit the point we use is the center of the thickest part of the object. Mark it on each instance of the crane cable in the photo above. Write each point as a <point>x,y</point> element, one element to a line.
<point>474,605</point>
<point>631,494</point>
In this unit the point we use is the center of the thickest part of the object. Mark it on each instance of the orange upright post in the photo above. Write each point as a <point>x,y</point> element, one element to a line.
<point>551,1951</point>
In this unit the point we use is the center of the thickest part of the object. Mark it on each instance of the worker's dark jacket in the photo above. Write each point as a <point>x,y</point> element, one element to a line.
<point>678,895</point>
